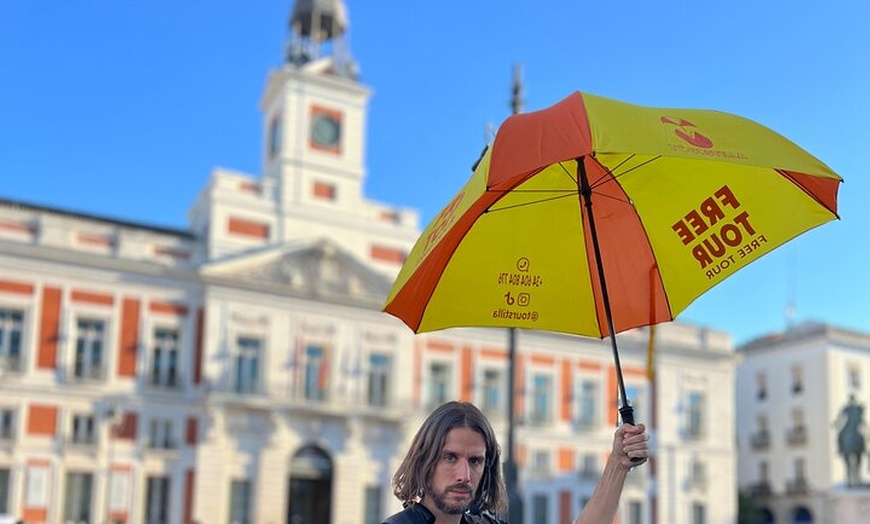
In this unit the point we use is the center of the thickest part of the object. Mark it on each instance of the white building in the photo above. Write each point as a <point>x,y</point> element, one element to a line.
<point>791,390</point>
<point>242,371</point>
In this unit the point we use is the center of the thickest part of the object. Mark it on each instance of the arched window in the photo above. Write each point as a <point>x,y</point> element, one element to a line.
<point>802,515</point>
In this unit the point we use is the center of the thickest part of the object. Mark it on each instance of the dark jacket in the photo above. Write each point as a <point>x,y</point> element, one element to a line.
<point>419,514</point>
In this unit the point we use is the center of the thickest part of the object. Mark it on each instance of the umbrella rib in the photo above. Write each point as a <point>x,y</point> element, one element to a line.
<point>541,201</point>
<point>569,192</point>
<point>603,180</point>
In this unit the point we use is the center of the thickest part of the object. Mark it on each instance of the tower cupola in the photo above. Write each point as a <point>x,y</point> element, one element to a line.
<point>317,30</point>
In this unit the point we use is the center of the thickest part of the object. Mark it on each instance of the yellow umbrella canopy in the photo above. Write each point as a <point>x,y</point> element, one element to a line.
<point>681,200</point>
<point>595,216</point>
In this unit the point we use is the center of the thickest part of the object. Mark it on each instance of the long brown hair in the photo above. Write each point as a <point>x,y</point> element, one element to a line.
<point>412,477</point>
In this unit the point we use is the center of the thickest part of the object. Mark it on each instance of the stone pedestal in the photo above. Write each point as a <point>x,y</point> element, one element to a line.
<point>848,505</point>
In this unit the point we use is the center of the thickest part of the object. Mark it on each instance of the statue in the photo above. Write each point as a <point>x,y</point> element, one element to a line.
<point>850,440</point>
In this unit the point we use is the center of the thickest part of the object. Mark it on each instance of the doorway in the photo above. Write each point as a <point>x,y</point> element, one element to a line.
<point>310,500</point>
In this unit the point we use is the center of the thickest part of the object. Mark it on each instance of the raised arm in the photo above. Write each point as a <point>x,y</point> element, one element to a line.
<point>629,442</point>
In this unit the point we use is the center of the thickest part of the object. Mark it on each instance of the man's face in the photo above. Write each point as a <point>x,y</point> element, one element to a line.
<point>457,472</point>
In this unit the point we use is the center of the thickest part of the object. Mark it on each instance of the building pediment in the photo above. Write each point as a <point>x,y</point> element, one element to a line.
<point>318,269</point>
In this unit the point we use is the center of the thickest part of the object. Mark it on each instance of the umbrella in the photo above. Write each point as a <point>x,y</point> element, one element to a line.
<point>595,216</point>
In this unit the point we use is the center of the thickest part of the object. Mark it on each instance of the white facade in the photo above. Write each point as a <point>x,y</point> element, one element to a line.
<point>791,389</point>
<point>242,370</point>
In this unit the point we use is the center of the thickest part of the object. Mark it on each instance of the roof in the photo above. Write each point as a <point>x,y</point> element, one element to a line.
<point>26,206</point>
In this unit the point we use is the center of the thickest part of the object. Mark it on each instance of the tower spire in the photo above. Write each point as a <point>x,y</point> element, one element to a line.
<point>317,30</point>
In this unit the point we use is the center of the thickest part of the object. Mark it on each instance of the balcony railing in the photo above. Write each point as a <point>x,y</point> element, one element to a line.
<point>84,373</point>
<point>10,363</point>
<point>797,486</point>
<point>796,435</point>
<point>760,439</point>
<point>761,489</point>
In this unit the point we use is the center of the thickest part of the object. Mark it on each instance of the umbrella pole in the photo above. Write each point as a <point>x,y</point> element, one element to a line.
<point>626,411</point>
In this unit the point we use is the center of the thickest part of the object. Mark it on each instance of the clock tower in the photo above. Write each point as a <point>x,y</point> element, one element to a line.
<point>314,114</point>
<point>310,189</point>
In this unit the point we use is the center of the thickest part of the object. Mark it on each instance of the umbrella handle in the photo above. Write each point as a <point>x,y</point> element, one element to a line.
<point>627,415</point>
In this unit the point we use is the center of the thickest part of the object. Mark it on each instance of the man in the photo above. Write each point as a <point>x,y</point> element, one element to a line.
<point>454,466</point>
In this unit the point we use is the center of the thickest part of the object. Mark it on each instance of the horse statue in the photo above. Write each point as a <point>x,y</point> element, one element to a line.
<point>850,440</point>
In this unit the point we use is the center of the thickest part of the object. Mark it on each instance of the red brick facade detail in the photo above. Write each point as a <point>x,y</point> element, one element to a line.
<point>49,328</point>
<point>128,338</point>
<point>248,228</point>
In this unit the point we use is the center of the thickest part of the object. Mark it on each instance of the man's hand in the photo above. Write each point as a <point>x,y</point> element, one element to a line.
<point>631,442</point>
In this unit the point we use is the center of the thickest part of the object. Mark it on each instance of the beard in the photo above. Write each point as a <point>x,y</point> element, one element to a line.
<point>440,500</point>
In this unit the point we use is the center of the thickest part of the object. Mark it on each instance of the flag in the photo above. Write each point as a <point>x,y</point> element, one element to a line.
<point>650,353</point>
<point>323,372</point>
<point>651,343</point>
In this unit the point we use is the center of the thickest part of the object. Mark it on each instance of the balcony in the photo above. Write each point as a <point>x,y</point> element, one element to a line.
<point>10,364</point>
<point>88,373</point>
<point>761,489</point>
<point>797,486</point>
<point>760,439</point>
<point>796,435</point>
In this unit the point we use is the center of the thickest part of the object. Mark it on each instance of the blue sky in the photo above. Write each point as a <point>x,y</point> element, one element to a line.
<point>123,109</point>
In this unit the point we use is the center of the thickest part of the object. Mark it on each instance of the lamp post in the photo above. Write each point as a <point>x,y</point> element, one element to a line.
<point>515,499</point>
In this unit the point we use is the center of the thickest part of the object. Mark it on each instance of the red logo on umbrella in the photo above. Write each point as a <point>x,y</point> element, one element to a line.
<point>688,135</point>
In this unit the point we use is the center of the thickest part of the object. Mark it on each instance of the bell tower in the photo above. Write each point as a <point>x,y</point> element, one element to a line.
<point>314,112</point>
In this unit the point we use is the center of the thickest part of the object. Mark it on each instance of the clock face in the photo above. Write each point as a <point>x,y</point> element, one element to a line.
<point>325,131</point>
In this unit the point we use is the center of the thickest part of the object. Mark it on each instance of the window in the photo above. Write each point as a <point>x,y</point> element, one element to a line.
<point>10,339</point>
<point>160,434</point>
<point>797,433</point>
<point>83,429</point>
<point>761,438</point>
<point>800,469</point>
<point>797,380</point>
<point>77,497</point>
<point>493,392</point>
<point>7,424</point>
<point>761,386</point>
<point>695,420</point>
<point>541,463</point>
<point>699,513</point>
<point>587,400</point>
<point>164,359</point>
<point>542,394</point>
<point>854,375</point>
<point>763,470</point>
<point>539,508</point>
<point>697,474</point>
<point>379,379</point>
<point>4,491</point>
<point>157,500</point>
<point>316,372</point>
<point>240,502</point>
<point>247,366</point>
<point>373,497</point>
<point>275,136</point>
<point>589,467</point>
<point>89,357</point>
<point>635,512</point>
<point>439,383</point>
